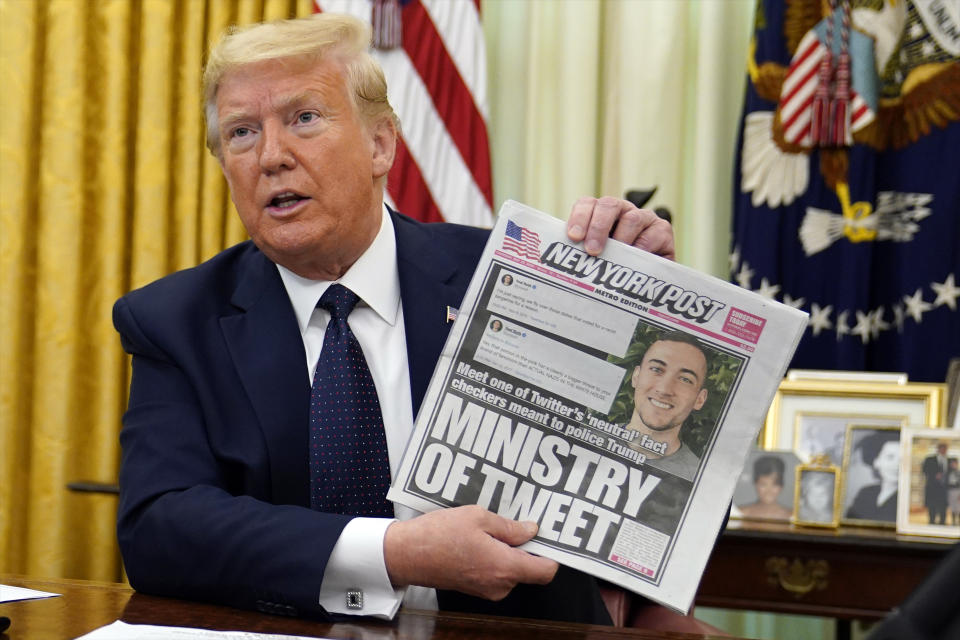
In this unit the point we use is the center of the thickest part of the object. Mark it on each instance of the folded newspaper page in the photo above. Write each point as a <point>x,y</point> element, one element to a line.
<point>612,400</point>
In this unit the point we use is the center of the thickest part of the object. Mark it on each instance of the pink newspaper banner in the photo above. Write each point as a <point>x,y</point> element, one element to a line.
<point>744,325</point>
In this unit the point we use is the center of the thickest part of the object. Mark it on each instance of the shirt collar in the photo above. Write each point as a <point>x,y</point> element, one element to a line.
<point>373,277</point>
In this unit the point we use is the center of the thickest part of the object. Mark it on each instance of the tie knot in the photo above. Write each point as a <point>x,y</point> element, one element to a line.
<point>338,300</point>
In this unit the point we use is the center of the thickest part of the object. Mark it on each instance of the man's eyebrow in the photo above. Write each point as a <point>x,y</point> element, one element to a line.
<point>283,103</point>
<point>663,363</point>
<point>297,99</point>
<point>229,119</point>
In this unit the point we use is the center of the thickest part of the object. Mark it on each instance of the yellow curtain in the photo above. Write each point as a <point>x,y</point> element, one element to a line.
<point>105,185</point>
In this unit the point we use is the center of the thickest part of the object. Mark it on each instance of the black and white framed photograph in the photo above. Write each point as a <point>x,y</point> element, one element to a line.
<point>817,501</point>
<point>824,434</point>
<point>870,476</point>
<point>765,489</point>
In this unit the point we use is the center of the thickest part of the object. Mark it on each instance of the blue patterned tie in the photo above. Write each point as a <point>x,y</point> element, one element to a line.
<point>349,468</point>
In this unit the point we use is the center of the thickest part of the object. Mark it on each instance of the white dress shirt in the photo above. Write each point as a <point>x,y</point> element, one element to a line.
<point>377,321</point>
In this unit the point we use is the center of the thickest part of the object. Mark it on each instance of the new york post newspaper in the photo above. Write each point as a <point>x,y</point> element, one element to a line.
<point>612,400</point>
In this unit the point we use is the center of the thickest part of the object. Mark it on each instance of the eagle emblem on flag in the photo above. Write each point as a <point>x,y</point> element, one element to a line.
<point>879,73</point>
<point>846,193</point>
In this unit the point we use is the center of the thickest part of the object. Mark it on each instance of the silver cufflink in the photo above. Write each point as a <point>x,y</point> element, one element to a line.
<point>354,598</point>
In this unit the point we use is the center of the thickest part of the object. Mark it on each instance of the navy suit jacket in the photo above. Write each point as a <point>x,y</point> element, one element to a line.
<point>214,501</point>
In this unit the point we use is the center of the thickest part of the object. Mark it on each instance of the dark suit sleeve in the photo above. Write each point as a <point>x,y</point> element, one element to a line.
<point>194,518</point>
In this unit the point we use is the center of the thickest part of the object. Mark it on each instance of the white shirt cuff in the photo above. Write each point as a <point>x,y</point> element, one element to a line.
<point>357,574</point>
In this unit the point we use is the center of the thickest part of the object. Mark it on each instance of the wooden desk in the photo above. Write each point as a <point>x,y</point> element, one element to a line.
<point>848,573</point>
<point>85,606</point>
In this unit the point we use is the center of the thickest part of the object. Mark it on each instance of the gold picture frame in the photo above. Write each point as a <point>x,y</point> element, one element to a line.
<point>817,499</point>
<point>869,476</point>
<point>917,508</point>
<point>914,403</point>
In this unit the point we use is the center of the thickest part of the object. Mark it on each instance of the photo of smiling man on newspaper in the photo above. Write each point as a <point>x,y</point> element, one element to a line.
<point>668,408</point>
<point>598,397</point>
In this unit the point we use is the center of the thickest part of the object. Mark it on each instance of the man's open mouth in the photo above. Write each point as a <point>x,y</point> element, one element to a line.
<point>286,200</point>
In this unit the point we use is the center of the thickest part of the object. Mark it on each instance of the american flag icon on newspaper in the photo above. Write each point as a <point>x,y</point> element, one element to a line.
<point>521,241</point>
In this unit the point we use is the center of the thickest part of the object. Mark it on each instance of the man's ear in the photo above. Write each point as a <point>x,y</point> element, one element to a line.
<point>384,134</point>
<point>634,376</point>
<point>701,398</point>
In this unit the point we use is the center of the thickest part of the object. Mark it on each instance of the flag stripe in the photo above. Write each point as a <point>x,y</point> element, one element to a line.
<point>806,87</point>
<point>462,34</point>
<point>443,149</point>
<point>407,188</point>
<point>806,61</point>
<point>428,140</point>
<point>450,95</point>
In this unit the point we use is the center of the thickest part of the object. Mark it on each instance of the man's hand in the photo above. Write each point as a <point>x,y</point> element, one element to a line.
<point>592,220</point>
<point>466,549</point>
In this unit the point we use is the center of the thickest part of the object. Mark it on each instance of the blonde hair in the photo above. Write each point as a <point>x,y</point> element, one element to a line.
<point>313,38</point>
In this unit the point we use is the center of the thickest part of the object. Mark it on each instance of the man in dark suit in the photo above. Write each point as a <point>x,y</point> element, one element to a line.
<point>215,480</point>
<point>935,485</point>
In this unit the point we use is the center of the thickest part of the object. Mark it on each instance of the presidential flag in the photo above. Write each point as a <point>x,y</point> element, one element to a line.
<point>434,58</point>
<point>847,192</point>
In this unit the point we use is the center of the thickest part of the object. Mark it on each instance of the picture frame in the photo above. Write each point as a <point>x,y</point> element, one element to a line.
<point>925,508</point>
<point>953,394</point>
<point>847,376</point>
<point>818,433</point>
<point>757,496</point>
<point>915,403</point>
<point>870,476</point>
<point>817,499</point>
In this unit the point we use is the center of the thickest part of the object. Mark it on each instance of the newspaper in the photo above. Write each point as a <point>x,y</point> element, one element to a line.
<point>612,400</point>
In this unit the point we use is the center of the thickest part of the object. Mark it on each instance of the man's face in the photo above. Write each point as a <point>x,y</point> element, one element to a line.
<point>302,166</point>
<point>668,384</point>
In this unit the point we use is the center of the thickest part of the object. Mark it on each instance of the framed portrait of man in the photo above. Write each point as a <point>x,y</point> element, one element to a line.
<point>929,501</point>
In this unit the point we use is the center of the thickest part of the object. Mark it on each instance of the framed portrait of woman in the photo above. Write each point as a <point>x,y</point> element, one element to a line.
<point>870,476</point>
<point>765,489</point>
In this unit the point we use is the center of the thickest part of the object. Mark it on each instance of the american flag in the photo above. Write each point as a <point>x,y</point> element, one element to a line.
<point>521,241</point>
<point>436,82</point>
<point>798,90</point>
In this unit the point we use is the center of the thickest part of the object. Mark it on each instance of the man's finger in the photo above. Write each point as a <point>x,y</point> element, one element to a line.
<point>508,531</point>
<point>579,219</point>
<point>657,239</point>
<point>606,212</point>
<point>632,223</point>
<point>535,569</point>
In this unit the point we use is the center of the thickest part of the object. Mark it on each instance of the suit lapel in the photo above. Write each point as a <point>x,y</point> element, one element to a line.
<point>426,273</point>
<point>265,345</point>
